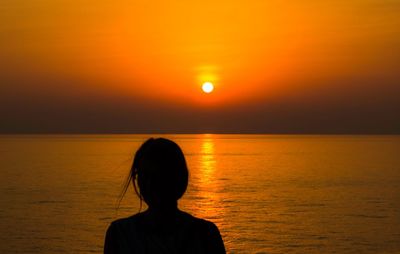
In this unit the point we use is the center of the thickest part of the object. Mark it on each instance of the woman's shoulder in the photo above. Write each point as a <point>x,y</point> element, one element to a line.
<point>123,224</point>
<point>186,217</point>
<point>122,236</point>
<point>202,228</point>
<point>203,224</point>
<point>128,219</point>
<point>205,237</point>
<point>195,234</point>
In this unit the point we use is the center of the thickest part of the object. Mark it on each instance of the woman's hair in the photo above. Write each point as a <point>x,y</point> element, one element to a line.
<point>159,167</point>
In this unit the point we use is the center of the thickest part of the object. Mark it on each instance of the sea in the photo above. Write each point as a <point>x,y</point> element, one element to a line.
<point>266,193</point>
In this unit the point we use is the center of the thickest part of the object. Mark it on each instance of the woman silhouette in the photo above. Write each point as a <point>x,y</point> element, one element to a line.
<point>159,167</point>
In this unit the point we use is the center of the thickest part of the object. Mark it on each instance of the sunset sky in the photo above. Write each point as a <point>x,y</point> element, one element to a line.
<point>97,66</point>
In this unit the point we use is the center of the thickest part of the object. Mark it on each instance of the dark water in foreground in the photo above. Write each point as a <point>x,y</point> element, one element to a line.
<point>267,194</point>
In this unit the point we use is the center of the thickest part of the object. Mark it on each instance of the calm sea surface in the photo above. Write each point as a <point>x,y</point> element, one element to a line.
<point>266,193</point>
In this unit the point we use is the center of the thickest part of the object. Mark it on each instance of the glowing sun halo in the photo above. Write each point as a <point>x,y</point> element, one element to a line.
<point>207,87</point>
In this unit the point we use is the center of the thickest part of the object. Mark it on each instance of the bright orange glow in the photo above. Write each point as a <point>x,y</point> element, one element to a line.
<point>251,48</point>
<point>207,87</point>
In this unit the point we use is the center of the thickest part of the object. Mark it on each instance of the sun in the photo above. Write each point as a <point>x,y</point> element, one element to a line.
<point>207,87</point>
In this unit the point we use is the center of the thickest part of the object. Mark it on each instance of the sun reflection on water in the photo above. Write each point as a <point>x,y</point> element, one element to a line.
<point>208,185</point>
<point>207,161</point>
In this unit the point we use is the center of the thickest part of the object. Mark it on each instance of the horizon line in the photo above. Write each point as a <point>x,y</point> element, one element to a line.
<point>203,133</point>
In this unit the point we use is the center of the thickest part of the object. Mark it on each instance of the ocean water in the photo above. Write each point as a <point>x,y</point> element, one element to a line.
<point>266,193</point>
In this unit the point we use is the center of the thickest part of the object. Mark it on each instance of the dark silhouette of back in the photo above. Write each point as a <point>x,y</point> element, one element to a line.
<point>159,167</point>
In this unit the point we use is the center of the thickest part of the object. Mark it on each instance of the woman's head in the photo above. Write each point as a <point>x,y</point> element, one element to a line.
<point>160,169</point>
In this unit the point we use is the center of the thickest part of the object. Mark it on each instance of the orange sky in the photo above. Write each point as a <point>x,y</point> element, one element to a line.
<point>155,51</point>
